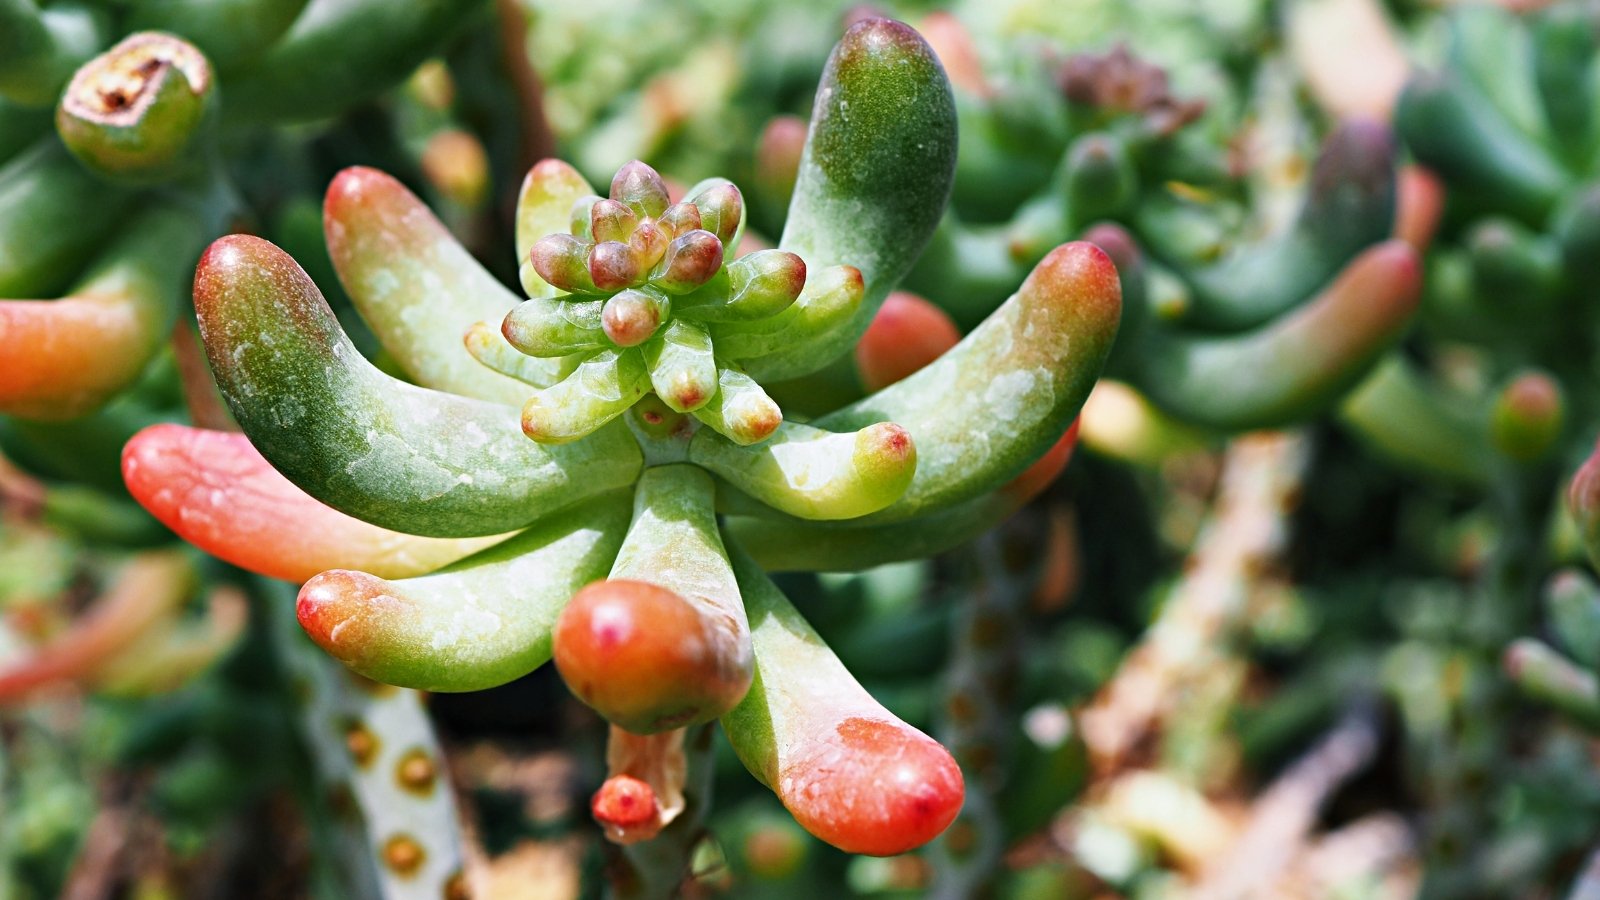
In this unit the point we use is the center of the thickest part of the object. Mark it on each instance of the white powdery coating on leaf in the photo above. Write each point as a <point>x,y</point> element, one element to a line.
<point>1009,395</point>
<point>467,628</point>
<point>811,465</point>
<point>814,687</point>
<point>441,449</point>
<point>485,613</point>
<point>382,283</point>
<point>287,412</point>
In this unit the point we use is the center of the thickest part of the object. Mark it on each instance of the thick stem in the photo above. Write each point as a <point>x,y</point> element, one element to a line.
<point>135,112</point>
<point>1282,818</point>
<point>375,744</point>
<point>663,643</point>
<point>655,869</point>
<point>980,706</point>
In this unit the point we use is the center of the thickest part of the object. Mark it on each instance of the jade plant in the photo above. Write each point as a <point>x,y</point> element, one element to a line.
<point>130,136</point>
<point>1485,403</point>
<point>1275,263</point>
<point>596,476</point>
<point>1506,122</point>
<point>126,133</point>
<point>615,468</point>
<point>1230,285</point>
<point>1565,678</point>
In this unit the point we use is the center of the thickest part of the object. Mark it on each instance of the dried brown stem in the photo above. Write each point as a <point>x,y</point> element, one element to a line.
<point>537,140</point>
<point>1283,816</point>
<point>1247,529</point>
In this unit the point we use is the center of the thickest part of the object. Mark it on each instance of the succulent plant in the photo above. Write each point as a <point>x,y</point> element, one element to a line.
<point>115,205</point>
<point>1566,681</point>
<point>628,467</point>
<point>1221,281</point>
<point>119,160</point>
<point>637,363</point>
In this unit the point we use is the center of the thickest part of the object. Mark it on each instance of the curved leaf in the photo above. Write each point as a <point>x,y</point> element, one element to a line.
<point>386,452</point>
<point>216,491</point>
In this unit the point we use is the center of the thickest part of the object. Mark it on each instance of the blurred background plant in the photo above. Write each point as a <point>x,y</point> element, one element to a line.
<point>1322,660</point>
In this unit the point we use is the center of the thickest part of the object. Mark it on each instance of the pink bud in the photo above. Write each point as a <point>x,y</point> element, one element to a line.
<point>612,266</point>
<point>690,261</point>
<point>720,210</point>
<point>639,186</point>
<point>561,260</point>
<point>631,317</point>
<point>679,219</point>
<point>611,220</point>
<point>648,243</point>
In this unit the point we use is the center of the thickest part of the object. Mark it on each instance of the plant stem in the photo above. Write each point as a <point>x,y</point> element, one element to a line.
<point>656,869</point>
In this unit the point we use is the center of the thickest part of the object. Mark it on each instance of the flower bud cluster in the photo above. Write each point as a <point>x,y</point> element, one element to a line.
<point>638,284</point>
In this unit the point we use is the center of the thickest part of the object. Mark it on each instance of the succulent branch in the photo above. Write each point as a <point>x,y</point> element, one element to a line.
<point>597,447</point>
<point>848,770</point>
<point>119,314</point>
<point>135,640</point>
<point>465,554</point>
<point>133,112</point>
